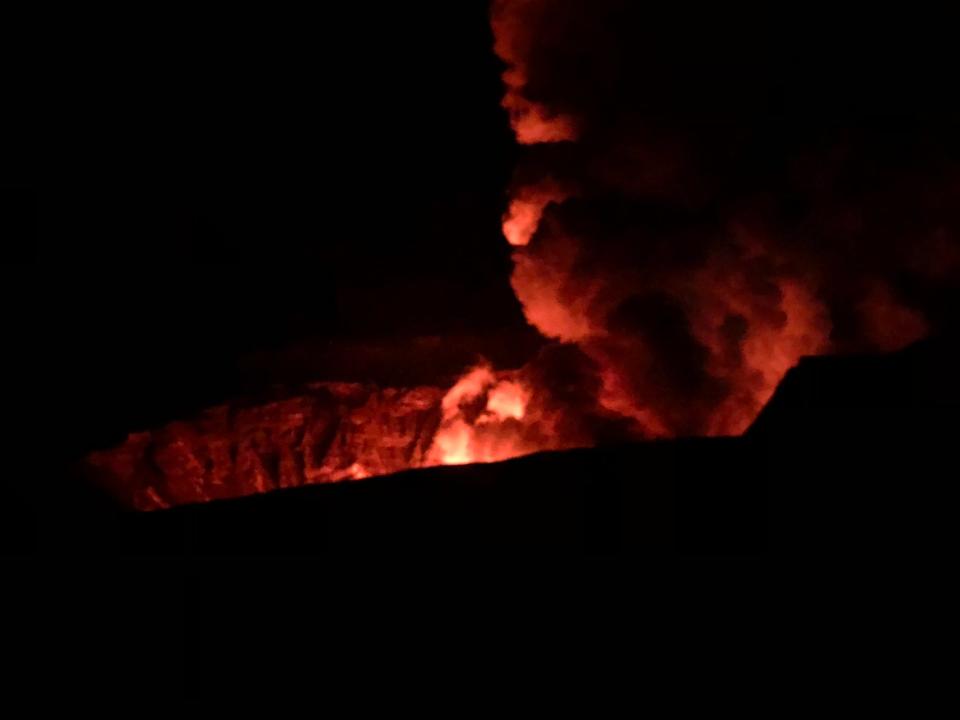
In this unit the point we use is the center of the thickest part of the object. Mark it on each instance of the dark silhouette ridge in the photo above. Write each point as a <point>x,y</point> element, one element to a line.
<point>858,451</point>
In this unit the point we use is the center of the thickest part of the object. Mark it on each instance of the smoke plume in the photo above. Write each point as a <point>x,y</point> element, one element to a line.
<point>702,201</point>
<point>702,198</point>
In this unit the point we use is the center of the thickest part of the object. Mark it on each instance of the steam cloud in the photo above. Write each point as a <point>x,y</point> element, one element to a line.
<point>693,215</point>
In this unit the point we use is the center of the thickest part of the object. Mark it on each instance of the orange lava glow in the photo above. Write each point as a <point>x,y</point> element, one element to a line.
<point>483,419</point>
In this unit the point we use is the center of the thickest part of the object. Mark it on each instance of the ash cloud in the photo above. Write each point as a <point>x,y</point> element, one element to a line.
<point>705,197</point>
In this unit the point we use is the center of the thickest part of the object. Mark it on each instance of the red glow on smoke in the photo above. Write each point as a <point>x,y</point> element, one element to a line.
<point>526,210</point>
<point>674,328</point>
<point>532,122</point>
<point>890,325</point>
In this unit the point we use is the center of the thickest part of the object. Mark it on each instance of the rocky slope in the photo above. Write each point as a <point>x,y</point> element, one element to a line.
<point>330,432</point>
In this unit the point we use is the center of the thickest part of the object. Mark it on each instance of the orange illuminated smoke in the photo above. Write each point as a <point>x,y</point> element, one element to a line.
<point>526,210</point>
<point>531,121</point>
<point>666,332</point>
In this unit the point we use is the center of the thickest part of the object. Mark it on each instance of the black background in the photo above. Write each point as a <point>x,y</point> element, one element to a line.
<point>184,187</point>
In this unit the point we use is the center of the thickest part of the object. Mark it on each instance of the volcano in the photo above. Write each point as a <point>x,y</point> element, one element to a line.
<point>409,301</point>
<point>679,231</point>
<point>851,453</point>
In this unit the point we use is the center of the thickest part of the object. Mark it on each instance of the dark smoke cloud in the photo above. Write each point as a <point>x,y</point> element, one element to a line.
<point>714,195</point>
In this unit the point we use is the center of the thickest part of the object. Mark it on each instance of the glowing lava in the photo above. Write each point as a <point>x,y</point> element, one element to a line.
<point>483,419</point>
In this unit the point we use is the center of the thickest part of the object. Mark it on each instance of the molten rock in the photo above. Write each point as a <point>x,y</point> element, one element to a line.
<point>333,432</point>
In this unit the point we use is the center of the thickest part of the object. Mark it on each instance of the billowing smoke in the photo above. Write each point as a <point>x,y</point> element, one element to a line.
<point>701,199</point>
<point>694,214</point>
